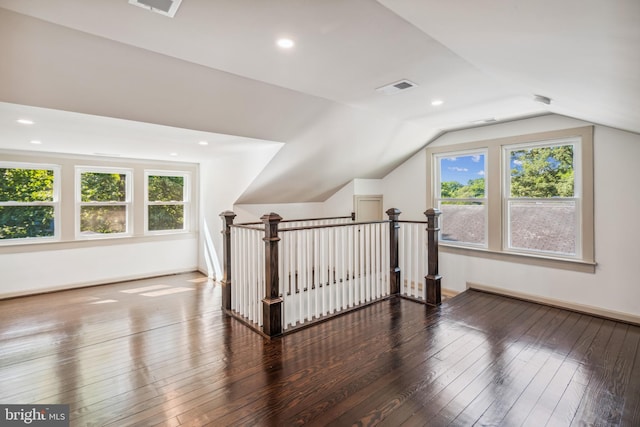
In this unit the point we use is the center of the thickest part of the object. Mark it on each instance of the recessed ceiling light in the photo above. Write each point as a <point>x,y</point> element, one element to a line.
<point>25,121</point>
<point>173,154</point>
<point>285,43</point>
<point>437,102</point>
<point>203,143</point>
<point>36,142</point>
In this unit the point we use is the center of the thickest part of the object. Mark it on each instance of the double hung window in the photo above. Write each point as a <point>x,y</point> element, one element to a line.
<point>528,194</point>
<point>167,201</point>
<point>542,197</point>
<point>29,202</point>
<point>461,195</point>
<point>104,200</point>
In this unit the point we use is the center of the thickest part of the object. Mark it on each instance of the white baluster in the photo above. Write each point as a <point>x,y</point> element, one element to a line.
<point>376,259</point>
<point>348,290</point>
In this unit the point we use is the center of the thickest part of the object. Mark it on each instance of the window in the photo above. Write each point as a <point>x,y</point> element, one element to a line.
<point>29,202</point>
<point>542,203</point>
<point>167,201</point>
<point>461,196</point>
<point>523,195</point>
<point>103,202</point>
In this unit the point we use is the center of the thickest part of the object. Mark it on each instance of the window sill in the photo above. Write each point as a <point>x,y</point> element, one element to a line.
<point>165,232</point>
<point>528,259</point>
<point>41,246</point>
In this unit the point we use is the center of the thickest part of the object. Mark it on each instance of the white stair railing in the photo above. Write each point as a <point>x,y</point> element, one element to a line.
<point>412,258</point>
<point>280,275</point>
<point>326,270</point>
<point>248,273</point>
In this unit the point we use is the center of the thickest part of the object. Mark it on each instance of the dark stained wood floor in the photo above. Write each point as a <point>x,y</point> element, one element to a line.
<point>160,352</point>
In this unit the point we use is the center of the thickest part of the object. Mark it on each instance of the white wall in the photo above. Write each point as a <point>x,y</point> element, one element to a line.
<point>27,268</point>
<point>405,188</point>
<point>40,271</point>
<point>34,268</point>
<point>252,213</point>
<point>222,180</point>
<point>367,187</point>
<point>614,286</point>
<point>339,204</point>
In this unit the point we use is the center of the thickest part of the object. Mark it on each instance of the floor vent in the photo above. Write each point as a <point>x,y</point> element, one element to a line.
<point>163,7</point>
<point>396,87</point>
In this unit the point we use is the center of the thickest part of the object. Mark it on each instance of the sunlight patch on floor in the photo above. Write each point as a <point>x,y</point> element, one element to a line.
<point>145,289</point>
<point>166,292</point>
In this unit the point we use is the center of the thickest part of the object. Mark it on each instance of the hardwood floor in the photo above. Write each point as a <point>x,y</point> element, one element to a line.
<point>161,352</point>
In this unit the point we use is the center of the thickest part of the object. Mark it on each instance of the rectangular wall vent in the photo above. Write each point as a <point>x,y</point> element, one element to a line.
<point>396,87</point>
<point>163,7</point>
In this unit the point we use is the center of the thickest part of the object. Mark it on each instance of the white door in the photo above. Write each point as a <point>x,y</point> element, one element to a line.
<point>368,208</point>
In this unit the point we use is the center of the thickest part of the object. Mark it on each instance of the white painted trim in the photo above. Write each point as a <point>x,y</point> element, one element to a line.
<point>581,308</point>
<point>357,198</point>
<point>109,281</point>
<point>449,293</point>
<point>211,275</point>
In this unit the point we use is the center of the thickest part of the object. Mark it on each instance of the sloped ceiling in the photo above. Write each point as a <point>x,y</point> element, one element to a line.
<point>584,54</point>
<point>215,69</point>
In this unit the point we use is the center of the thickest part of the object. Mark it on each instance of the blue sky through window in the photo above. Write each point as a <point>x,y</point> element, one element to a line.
<point>462,168</point>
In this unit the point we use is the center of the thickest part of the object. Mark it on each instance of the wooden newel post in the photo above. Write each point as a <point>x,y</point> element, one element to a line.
<point>433,279</point>
<point>227,221</point>
<point>272,303</point>
<point>394,272</point>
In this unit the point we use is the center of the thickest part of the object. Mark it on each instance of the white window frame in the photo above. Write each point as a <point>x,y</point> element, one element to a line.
<point>497,168</point>
<point>55,203</point>
<point>438,199</point>
<point>577,197</point>
<point>128,203</point>
<point>185,203</point>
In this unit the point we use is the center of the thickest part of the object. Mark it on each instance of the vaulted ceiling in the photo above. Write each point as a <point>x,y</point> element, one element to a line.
<point>214,72</point>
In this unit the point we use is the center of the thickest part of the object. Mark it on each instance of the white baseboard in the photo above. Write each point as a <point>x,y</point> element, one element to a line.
<point>581,308</point>
<point>449,293</point>
<point>87,284</point>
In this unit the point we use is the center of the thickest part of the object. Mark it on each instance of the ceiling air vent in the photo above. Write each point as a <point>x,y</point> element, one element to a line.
<point>396,87</point>
<point>163,7</point>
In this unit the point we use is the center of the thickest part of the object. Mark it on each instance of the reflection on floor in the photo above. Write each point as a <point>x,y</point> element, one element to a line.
<point>161,352</point>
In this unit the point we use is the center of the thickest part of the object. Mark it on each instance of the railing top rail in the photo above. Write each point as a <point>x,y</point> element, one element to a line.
<point>350,224</point>
<point>299,220</point>
<point>316,219</point>
<point>249,223</point>
<point>252,225</point>
<point>249,226</point>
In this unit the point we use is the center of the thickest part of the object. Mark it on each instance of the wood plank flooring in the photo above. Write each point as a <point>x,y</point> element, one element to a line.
<point>161,352</point>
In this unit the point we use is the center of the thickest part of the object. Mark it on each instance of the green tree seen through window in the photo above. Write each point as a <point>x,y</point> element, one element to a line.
<point>165,216</point>
<point>103,187</point>
<point>107,193</point>
<point>26,185</point>
<point>543,172</point>
<point>474,189</point>
<point>18,188</point>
